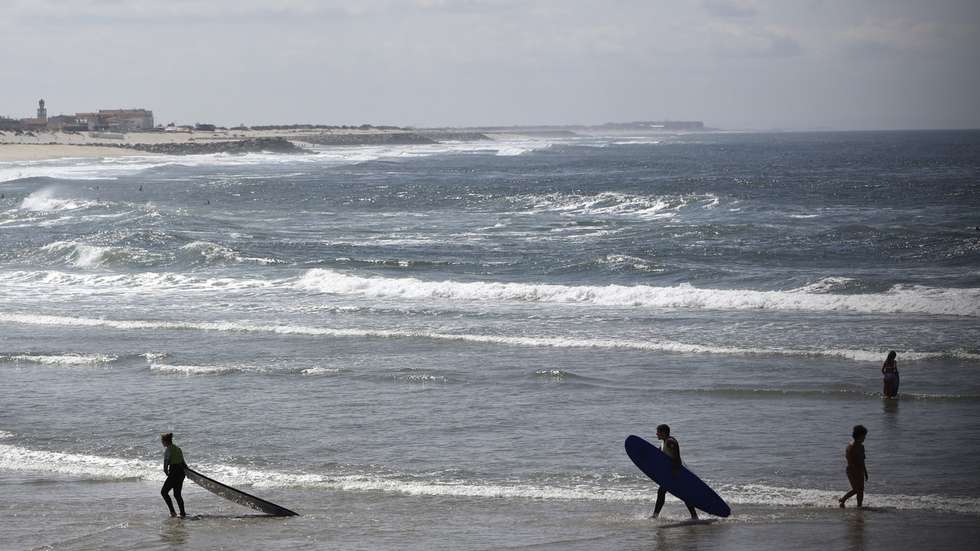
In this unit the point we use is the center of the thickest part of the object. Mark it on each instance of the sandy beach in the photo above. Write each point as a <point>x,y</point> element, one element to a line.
<point>35,146</point>
<point>45,152</point>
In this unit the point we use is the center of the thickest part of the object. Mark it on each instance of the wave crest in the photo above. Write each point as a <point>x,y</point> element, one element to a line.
<point>899,299</point>
<point>44,200</point>
<point>17,458</point>
<point>556,342</point>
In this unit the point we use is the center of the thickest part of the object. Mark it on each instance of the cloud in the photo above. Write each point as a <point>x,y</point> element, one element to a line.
<point>730,8</point>
<point>728,40</point>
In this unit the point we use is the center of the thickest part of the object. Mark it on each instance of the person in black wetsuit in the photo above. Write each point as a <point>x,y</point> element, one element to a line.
<point>173,467</point>
<point>673,450</point>
<point>889,372</point>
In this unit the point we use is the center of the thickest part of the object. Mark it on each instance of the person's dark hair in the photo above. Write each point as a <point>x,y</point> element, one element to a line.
<point>664,429</point>
<point>859,431</point>
<point>891,356</point>
<point>167,437</point>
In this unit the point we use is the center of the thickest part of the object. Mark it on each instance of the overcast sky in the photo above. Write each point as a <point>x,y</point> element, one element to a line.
<point>740,64</point>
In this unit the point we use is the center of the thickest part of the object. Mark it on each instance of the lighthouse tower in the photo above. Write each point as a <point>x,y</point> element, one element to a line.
<point>42,113</point>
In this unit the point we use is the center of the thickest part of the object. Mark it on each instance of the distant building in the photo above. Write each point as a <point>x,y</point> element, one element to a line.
<point>89,120</point>
<point>66,123</point>
<point>117,120</point>
<point>9,124</point>
<point>124,120</point>
<point>39,123</point>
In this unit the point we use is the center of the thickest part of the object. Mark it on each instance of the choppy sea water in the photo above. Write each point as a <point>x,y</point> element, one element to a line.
<point>445,346</point>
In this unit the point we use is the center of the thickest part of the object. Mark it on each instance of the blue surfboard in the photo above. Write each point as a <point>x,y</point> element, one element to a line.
<point>685,486</point>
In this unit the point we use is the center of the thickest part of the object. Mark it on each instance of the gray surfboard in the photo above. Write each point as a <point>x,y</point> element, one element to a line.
<point>237,496</point>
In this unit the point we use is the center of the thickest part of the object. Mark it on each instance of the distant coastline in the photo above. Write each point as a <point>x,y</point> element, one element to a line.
<point>298,139</point>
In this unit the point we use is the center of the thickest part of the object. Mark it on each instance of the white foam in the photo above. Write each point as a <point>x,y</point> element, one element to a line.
<point>133,282</point>
<point>555,342</point>
<point>610,203</point>
<point>321,371</point>
<point>62,359</point>
<point>14,458</point>
<point>5,434</point>
<point>624,260</point>
<point>899,299</point>
<point>80,168</point>
<point>193,369</point>
<point>44,200</point>
<point>808,497</point>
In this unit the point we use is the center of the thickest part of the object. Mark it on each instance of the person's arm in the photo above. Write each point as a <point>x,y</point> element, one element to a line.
<point>166,462</point>
<point>677,457</point>
<point>864,465</point>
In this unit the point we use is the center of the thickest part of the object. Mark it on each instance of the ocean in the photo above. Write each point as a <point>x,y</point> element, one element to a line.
<point>445,346</point>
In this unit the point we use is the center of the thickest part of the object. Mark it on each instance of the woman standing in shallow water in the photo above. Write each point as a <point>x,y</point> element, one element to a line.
<point>889,370</point>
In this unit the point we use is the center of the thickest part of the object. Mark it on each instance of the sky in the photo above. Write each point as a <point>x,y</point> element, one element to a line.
<point>734,64</point>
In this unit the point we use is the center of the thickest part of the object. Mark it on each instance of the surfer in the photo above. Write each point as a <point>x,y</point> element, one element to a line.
<point>857,471</point>
<point>889,370</point>
<point>672,449</point>
<point>173,467</point>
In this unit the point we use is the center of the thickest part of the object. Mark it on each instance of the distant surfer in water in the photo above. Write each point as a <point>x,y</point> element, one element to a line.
<point>673,450</point>
<point>889,371</point>
<point>857,471</point>
<point>173,467</point>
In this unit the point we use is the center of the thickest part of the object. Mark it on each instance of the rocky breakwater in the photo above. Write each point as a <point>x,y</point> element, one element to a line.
<point>455,136</point>
<point>368,138</point>
<point>252,145</point>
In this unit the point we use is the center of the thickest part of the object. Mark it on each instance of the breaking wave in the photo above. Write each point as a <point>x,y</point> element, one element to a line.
<point>531,341</point>
<point>16,458</point>
<point>899,299</point>
<point>610,203</point>
<point>44,200</point>
<point>60,359</point>
<point>93,256</point>
<point>136,282</point>
<point>193,369</point>
<point>213,253</point>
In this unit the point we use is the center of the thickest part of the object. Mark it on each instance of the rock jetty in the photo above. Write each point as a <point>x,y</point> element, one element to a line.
<point>252,145</point>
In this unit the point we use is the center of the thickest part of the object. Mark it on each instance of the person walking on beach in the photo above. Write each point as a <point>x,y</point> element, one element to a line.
<point>673,450</point>
<point>889,371</point>
<point>857,471</point>
<point>173,467</point>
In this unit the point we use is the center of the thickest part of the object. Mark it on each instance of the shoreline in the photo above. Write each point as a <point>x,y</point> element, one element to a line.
<point>41,146</point>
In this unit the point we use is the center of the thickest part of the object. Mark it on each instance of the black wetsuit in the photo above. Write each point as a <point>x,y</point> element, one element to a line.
<point>175,479</point>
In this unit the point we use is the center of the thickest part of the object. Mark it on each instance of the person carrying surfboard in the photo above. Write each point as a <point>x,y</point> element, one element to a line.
<point>173,467</point>
<point>672,449</point>
<point>857,471</point>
